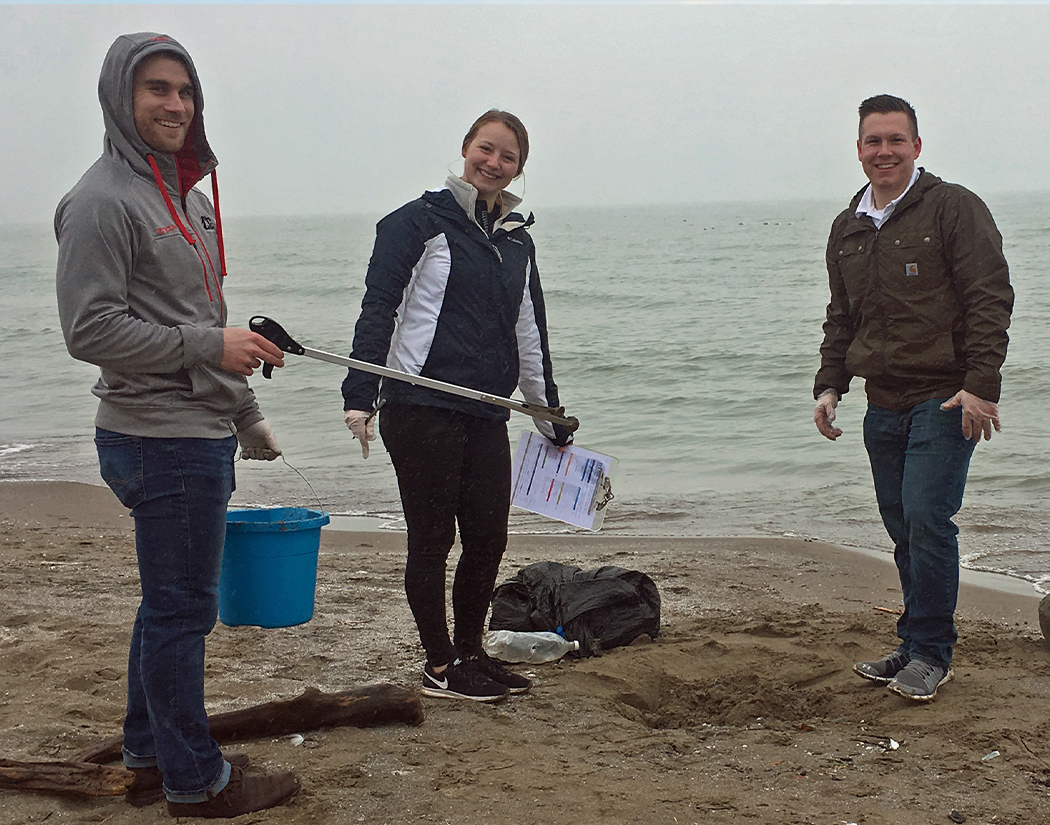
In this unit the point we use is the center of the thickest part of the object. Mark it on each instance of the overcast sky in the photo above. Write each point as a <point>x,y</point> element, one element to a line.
<point>321,109</point>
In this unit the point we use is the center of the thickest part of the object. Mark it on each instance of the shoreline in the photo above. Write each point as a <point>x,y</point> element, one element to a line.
<point>847,575</point>
<point>991,580</point>
<point>1010,559</point>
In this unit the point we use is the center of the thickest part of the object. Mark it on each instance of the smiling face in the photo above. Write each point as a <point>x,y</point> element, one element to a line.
<point>888,149</point>
<point>491,160</point>
<point>163,102</point>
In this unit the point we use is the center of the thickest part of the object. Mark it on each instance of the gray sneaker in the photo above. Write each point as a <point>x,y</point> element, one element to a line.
<point>882,671</point>
<point>919,680</point>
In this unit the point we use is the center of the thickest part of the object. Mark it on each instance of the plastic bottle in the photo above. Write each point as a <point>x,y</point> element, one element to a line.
<point>523,646</point>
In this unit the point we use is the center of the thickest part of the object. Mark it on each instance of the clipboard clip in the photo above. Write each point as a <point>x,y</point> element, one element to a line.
<point>603,492</point>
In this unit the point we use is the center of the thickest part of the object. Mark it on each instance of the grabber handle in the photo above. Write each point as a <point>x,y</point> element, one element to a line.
<point>269,329</point>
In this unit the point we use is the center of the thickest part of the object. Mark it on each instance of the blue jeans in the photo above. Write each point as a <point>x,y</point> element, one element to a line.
<point>177,490</point>
<point>919,459</point>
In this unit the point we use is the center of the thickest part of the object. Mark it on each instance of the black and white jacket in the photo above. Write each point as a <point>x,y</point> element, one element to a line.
<point>445,300</point>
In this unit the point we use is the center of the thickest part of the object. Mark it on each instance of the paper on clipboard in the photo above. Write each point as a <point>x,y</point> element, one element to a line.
<point>571,486</point>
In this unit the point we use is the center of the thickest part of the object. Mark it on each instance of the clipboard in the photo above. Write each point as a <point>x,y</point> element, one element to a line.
<point>573,486</point>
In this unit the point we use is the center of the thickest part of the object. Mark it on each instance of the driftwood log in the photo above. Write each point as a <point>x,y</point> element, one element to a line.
<point>77,779</point>
<point>363,707</point>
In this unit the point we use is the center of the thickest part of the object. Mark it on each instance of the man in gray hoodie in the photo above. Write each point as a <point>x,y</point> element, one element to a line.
<point>140,294</point>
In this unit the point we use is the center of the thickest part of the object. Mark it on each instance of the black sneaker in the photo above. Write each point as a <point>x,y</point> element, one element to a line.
<point>498,673</point>
<point>882,671</point>
<point>462,680</point>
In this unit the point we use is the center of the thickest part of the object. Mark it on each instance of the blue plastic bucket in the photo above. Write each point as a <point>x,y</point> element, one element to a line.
<point>269,566</point>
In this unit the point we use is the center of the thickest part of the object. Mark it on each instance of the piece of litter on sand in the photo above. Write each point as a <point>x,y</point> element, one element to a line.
<point>894,744</point>
<point>990,756</point>
<point>955,816</point>
<point>297,739</point>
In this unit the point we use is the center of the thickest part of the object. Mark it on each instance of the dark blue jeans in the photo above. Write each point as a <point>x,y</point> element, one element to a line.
<point>919,460</point>
<point>177,490</point>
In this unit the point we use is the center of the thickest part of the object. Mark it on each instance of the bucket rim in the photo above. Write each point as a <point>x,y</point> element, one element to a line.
<point>306,519</point>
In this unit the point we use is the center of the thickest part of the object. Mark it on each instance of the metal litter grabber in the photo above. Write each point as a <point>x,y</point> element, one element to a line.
<point>274,332</point>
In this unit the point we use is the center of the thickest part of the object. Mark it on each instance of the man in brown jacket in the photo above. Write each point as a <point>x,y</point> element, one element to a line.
<point>920,305</point>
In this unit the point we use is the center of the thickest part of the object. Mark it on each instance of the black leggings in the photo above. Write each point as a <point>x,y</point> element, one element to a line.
<point>451,467</point>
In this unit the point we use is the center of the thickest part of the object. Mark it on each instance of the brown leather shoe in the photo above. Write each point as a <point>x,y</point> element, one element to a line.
<point>148,786</point>
<point>243,794</point>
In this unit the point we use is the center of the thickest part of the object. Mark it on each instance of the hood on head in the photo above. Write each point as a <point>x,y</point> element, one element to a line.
<point>191,163</point>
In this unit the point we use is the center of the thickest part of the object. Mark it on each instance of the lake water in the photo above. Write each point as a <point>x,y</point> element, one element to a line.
<point>684,339</point>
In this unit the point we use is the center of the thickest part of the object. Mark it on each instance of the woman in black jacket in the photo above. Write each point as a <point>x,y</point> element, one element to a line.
<point>452,293</point>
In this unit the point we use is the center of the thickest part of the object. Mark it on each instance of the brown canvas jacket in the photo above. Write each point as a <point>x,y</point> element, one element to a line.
<point>920,307</point>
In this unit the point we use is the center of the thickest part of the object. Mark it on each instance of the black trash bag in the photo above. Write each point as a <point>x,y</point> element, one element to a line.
<point>600,609</point>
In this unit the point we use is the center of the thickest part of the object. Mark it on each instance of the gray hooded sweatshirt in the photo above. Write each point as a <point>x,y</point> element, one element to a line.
<point>140,272</point>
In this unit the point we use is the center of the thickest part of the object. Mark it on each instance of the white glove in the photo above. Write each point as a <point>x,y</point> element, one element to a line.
<point>824,414</point>
<point>363,425</point>
<point>258,441</point>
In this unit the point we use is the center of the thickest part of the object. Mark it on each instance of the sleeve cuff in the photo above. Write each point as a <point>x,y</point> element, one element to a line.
<point>201,346</point>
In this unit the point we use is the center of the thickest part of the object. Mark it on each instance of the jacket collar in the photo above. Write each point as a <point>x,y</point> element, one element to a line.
<point>467,198</point>
<point>922,185</point>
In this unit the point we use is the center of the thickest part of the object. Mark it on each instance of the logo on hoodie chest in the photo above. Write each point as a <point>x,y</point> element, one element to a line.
<point>207,224</point>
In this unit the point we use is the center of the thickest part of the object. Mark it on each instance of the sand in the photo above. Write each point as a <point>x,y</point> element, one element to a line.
<point>744,709</point>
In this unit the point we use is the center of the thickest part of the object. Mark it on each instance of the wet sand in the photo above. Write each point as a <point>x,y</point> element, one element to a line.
<point>744,709</point>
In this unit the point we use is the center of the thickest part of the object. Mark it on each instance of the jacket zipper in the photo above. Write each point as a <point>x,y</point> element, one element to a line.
<point>203,246</point>
<point>186,233</point>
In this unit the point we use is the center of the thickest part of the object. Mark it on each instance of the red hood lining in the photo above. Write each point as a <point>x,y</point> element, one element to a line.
<point>187,163</point>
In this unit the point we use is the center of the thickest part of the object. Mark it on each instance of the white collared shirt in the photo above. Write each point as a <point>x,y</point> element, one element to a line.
<point>880,216</point>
